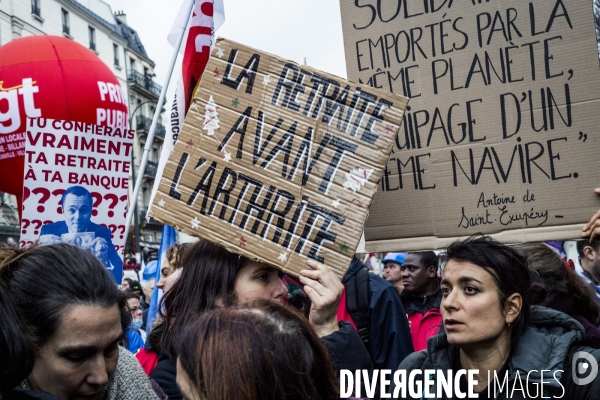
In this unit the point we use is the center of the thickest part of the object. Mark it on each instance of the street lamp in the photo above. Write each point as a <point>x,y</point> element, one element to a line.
<point>136,223</point>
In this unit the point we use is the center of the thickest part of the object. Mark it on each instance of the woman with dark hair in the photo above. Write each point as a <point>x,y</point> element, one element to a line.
<point>16,354</point>
<point>562,290</point>
<point>169,274</point>
<point>212,276</point>
<point>278,356</point>
<point>489,326</point>
<point>72,309</point>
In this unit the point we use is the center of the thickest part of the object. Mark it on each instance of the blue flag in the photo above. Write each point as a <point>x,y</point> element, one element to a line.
<point>149,271</point>
<point>168,240</point>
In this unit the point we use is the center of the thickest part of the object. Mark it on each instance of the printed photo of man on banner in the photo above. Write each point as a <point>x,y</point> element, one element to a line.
<point>76,188</point>
<point>79,230</point>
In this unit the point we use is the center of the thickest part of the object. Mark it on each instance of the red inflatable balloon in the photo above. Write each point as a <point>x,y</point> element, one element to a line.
<point>51,77</point>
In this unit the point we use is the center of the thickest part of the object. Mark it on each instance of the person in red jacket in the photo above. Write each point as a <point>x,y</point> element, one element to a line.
<point>421,296</point>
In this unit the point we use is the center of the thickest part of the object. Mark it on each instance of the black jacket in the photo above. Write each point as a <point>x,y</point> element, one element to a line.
<point>346,350</point>
<point>165,375</point>
<point>549,344</point>
<point>389,333</point>
<point>422,304</point>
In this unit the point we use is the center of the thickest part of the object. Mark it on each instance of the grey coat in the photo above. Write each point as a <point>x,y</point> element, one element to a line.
<point>129,382</point>
<point>548,344</point>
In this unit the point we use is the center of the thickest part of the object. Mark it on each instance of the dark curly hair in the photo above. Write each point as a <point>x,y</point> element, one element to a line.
<point>175,255</point>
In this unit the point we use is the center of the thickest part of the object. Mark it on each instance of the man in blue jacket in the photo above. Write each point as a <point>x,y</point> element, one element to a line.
<point>376,309</point>
<point>77,210</point>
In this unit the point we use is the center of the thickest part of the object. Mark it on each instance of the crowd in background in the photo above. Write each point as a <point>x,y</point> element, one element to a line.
<point>232,328</point>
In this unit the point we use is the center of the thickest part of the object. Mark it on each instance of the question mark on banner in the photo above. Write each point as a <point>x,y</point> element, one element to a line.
<point>124,199</point>
<point>59,192</point>
<point>119,249</point>
<point>97,200</point>
<point>47,222</point>
<point>38,224</point>
<point>113,229</point>
<point>122,229</point>
<point>25,223</point>
<point>114,200</point>
<point>24,243</point>
<point>45,196</point>
<point>26,194</point>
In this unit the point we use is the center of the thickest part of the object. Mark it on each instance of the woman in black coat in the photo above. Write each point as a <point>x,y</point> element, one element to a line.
<point>514,350</point>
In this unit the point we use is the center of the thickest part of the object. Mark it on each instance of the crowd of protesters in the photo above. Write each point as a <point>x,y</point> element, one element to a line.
<point>232,328</point>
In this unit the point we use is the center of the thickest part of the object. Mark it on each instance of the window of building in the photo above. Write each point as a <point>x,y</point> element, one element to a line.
<point>92,35</point>
<point>35,8</point>
<point>132,64</point>
<point>65,22</point>
<point>116,54</point>
<point>144,202</point>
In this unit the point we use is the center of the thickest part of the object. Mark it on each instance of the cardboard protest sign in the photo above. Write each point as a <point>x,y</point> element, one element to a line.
<point>76,187</point>
<point>276,161</point>
<point>501,133</point>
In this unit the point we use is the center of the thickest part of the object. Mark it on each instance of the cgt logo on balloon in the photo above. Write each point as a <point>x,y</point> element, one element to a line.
<point>55,78</point>
<point>10,120</point>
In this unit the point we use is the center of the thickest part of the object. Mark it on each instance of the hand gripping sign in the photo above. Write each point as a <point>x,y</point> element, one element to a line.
<point>276,161</point>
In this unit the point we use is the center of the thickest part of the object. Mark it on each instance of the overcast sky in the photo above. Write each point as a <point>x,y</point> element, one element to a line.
<point>289,29</point>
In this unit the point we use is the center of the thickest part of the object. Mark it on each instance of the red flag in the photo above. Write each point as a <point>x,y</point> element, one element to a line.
<point>207,16</point>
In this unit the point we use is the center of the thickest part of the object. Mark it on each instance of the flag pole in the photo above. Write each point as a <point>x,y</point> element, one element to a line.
<point>157,112</point>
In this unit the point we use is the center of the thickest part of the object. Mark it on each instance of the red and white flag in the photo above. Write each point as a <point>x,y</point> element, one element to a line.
<point>206,17</point>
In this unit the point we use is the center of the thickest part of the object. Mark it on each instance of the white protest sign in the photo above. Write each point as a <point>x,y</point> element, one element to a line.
<point>76,187</point>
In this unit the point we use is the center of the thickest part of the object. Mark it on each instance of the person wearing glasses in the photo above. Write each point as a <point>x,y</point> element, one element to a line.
<point>136,337</point>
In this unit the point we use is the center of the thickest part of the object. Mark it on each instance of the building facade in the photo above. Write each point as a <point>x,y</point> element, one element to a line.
<point>93,24</point>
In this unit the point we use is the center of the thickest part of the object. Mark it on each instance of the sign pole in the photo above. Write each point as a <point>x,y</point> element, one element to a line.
<point>148,146</point>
